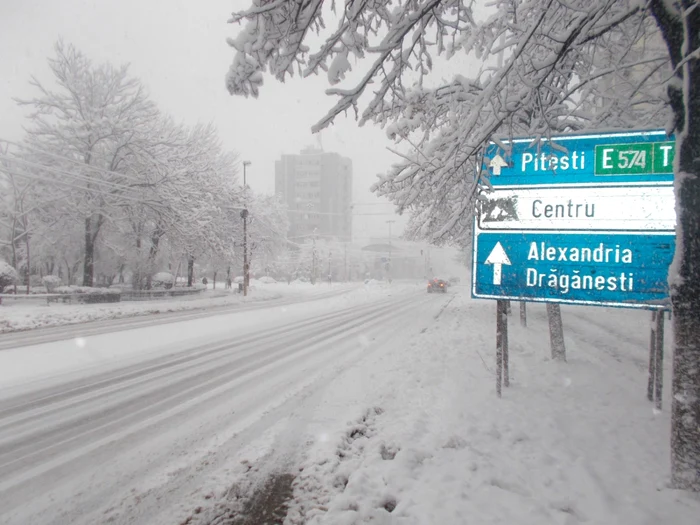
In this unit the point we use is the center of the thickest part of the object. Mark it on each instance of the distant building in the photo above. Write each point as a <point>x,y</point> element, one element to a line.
<point>317,188</point>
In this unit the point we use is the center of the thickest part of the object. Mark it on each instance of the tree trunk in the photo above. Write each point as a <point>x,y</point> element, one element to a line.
<point>89,261</point>
<point>29,260</point>
<point>152,253</point>
<point>682,37</point>
<point>137,276</point>
<point>177,272</point>
<point>556,332</point>
<point>190,271</point>
<point>685,295</point>
<point>76,267</point>
<point>69,273</point>
<point>214,285</point>
<point>14,251</point>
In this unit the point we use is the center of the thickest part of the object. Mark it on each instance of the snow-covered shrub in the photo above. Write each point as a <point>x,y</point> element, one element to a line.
<point>266,279</point>
<point>36,280</point>
<point>51,282</point>
<point>8,275</point>
<point>163,280</point>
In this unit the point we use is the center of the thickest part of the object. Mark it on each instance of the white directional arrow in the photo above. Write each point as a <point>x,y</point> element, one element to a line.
<point>497,163</point>
<point>498,258</point>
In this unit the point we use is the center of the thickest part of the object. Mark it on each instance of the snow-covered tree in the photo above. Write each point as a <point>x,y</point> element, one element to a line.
<point>526,67</point>
<point>98,115</point>
<point>131,178</point>
<point>203,201</point>
<point>22,206</point>
<point>268,225</point>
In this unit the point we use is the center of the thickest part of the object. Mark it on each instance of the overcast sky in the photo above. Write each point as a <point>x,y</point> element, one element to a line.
<point>178,48</point>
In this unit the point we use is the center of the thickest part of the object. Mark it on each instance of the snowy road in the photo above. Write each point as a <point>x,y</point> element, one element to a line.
<point>135,426</point>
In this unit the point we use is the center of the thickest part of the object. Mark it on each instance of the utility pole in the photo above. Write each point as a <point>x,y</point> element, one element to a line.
<point>244,216</point>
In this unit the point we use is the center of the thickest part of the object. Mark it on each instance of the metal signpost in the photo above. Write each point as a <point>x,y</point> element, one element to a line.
<point>583,219</point>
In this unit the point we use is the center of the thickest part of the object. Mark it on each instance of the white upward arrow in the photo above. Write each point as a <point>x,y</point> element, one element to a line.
<point>497,163</point>
<point>498,258</point>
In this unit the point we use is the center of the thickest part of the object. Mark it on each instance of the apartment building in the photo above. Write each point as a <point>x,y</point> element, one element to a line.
<point>317,188</point>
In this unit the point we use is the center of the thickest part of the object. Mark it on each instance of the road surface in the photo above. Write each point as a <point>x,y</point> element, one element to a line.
<point>138,439</point>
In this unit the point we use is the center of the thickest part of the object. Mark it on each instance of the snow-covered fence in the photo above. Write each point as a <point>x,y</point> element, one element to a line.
<point>146,295</point>
<point>69,295</point>
<point>87,295</point>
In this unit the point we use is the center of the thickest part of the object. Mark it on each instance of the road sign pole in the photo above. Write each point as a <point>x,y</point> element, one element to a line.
<point>504,342</point>
<point>652,358</point>
<point>523,313</point>
<point>499,346</point>
<point>502,375</point>
<point>556,332</point>
<point>659,361</point>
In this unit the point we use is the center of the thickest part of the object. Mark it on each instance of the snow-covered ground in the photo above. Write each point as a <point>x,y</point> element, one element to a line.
<point>379,404</point>
<point>26,314</point>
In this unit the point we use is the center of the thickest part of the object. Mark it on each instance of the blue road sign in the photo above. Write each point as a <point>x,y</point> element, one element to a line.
<point>603,269</point>
<point>584,219</point>
<point>639,156</point>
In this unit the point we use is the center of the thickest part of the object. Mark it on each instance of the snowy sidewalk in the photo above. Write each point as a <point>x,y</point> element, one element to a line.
<point>427,442</point>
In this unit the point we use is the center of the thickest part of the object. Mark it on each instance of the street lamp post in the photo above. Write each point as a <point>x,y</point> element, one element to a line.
<point>244,216</point>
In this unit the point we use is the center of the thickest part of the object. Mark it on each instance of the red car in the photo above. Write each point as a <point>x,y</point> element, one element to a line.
<point>437,286</point>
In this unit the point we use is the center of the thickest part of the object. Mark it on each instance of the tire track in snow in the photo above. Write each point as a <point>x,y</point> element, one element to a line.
<point>50,396</point>
<point>214,361</point>
<point>153,400</point>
